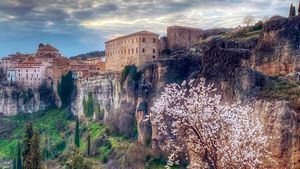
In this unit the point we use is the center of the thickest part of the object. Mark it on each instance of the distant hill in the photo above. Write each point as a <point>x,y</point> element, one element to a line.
<point>89,55</point>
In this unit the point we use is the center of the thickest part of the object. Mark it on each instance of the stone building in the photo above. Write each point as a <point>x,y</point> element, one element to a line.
<point>183,37</point>
<point>137,48</point>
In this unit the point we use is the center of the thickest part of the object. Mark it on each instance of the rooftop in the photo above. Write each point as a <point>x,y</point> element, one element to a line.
<point>144,32</point>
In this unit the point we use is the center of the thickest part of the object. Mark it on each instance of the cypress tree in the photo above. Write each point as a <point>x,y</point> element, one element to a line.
<point>19,158</point>
<point>88,144</point>
<point>90,105</point>
<point>35,151</point>
<point>84,107</point>
<point>14,163</point>
<point>27,147</point>
<point>77,139</point>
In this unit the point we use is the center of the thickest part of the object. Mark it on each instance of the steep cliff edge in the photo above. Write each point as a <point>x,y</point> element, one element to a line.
<point>236,67</point>
<point>14,100</point>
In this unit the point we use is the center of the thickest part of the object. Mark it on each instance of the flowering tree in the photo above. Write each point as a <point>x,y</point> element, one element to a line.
<point>192,121</point>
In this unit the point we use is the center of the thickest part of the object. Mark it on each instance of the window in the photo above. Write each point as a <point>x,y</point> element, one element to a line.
<point>154,40</point>
<point>132,51</point>
<point>136,50</point>
<point>128,51</point>
<point>143,50</point>
<point>144,40</point>
<point>153,57</point>
<point>153,50</point>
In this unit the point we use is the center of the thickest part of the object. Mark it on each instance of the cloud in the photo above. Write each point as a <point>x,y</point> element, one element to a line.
<point>84,20</point>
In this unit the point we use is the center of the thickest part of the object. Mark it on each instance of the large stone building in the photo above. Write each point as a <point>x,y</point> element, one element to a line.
<point>137,48</point>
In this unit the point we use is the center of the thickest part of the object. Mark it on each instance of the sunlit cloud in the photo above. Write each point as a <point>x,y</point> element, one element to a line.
<point>84,25</point>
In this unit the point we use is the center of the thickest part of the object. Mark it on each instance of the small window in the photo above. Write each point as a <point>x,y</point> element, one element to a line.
<point>144,40</point>
<point>154,40</point>
<point>153,50</point>
<point>153,57</point>
<point>143,50</point>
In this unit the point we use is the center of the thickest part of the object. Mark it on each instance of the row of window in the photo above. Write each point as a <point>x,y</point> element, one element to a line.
<point>28,76</point>
<point>19,70</point>
<point>128,51</point>
<point>133,40</point>
<point>38,79</point>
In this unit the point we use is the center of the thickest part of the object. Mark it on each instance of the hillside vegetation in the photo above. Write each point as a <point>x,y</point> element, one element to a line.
<point>56,129</point>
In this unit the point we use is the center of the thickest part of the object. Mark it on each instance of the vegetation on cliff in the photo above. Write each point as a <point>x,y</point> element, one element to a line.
<point>66,89</point>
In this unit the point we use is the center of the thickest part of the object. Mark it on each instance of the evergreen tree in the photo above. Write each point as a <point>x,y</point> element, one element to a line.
<point>77,139</point>
<point>90,105</point>
<point>88,151</point>
<point>84,106</point>
<point>35,151</point>
<point>27,156</point>
<point>19,158</point>
<point>14,163</point>
<point>31,154</point>
<point>66,88</point>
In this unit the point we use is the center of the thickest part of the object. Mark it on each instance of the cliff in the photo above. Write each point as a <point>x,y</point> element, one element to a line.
<point>15,100</point>
<point>239,68</point>
<point>277,52</point>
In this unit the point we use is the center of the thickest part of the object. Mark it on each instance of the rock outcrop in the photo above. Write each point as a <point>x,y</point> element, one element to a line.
<point>277,52</point>
<point>14,100</point>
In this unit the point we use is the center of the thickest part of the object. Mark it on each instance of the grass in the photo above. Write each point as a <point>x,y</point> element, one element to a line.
<point>242,35</point>
<point>53,123</point>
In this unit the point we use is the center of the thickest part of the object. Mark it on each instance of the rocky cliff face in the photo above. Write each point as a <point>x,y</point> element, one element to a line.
<point>277,52</point>
<point>14,100</point>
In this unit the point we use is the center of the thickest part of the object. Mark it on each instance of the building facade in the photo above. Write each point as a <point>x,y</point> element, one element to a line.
<point>137,48</point>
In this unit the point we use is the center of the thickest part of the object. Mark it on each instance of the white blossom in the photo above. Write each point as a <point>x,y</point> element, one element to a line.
<point>192,120</point>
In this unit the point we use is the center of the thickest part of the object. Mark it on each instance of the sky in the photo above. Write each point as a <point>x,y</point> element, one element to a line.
<point>81,26</point>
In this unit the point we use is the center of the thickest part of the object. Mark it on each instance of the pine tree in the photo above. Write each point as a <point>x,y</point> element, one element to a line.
<point>77,139</point>
<point>88,144</point>
<point>19,158</point>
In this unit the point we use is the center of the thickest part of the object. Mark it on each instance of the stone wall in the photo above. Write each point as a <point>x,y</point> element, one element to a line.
<point>183,37</point>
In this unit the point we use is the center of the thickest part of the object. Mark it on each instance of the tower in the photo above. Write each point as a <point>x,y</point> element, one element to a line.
<point>299,9</point>
<point>292,10</point>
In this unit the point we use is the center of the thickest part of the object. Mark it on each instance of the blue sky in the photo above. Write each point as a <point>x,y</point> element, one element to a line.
<point>80,26</point>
